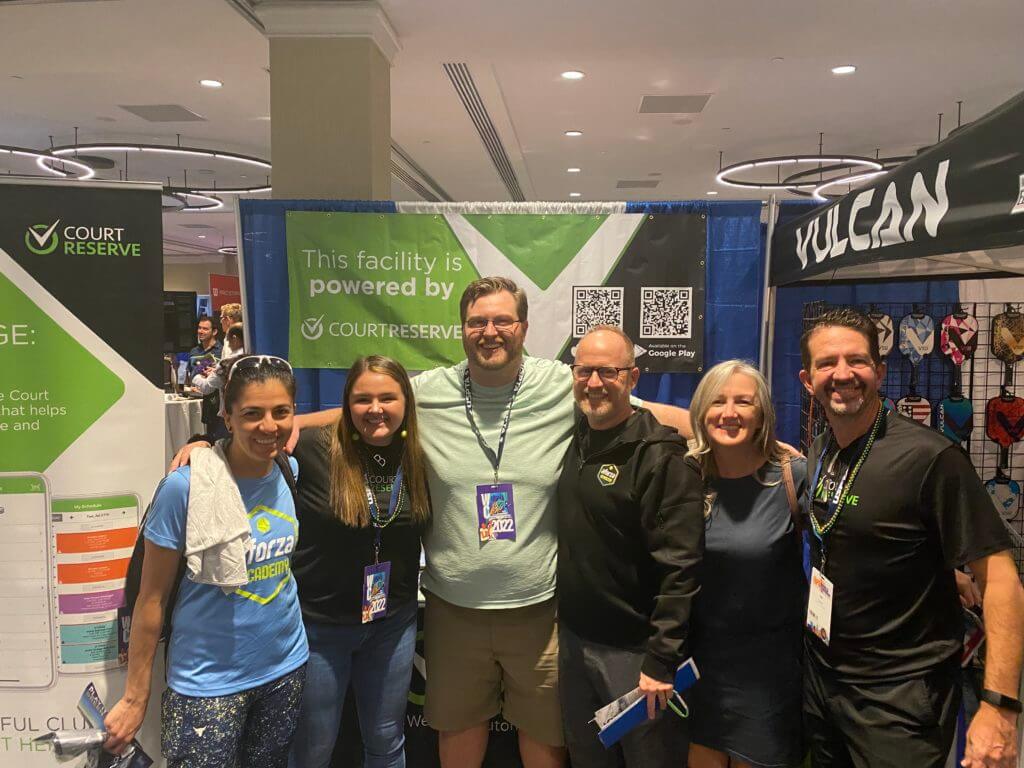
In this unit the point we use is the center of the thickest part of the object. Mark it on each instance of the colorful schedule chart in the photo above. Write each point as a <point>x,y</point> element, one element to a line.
<point>93,538</point>
<point>26,629</point>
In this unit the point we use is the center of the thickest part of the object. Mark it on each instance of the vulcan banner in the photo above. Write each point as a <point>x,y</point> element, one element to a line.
<point>964,193</point>
<point>362,283</point>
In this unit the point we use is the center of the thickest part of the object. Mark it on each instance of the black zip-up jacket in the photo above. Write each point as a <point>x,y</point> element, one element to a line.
<point>630,540</point>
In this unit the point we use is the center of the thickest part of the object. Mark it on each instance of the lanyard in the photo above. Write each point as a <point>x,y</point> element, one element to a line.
<point>492,457</point>
<point>393,509</point>
<point>837,503</point>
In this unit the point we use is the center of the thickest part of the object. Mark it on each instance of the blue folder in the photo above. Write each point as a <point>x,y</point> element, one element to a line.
<point>635,713</point>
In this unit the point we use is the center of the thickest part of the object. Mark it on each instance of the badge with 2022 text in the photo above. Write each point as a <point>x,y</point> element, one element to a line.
<point>376,582</point>
<point>819,606</point>
<point>496,512</point>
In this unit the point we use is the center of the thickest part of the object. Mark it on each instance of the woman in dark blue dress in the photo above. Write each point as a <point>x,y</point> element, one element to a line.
<point>747,619</point>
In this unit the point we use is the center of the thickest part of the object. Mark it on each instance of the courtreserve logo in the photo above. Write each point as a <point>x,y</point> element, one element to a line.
<point>41,239</point>
<point>313,327</point>
<point>80,240</point>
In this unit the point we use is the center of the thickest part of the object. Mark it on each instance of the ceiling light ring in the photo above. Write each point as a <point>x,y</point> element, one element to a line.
<point>121,147</point>
<point>887,163</point>
<point>212,203</point>
<point>40,158</point>
<point>850,161</point>
<point>854,179</point>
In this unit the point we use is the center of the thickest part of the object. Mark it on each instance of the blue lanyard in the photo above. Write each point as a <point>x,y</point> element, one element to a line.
<point>492,457</point>
<point>375,519</point>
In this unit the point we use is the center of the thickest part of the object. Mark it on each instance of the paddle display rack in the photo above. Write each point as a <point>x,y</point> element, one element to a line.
<point>983,377</point>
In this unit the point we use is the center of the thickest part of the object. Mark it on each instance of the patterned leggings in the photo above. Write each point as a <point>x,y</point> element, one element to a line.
<point>249,729</point>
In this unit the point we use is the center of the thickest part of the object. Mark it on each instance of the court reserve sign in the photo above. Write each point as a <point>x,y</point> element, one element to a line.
<point>372,283</point>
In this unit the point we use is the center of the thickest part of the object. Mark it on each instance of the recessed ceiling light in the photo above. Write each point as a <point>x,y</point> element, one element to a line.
<point>845,69</point>
<point>574,133</point>
<point>572,170</point>
<point>211,83</point>
<point>574,194</point>
<point>712,192</point>
<point>573,74</point>
<point>201,237</point>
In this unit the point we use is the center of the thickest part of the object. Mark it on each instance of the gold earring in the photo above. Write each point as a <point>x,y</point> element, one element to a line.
<point>403,434</point>
<point>355,437</point>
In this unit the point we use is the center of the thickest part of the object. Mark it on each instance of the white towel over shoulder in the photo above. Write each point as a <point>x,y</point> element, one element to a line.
<point>217,535</point>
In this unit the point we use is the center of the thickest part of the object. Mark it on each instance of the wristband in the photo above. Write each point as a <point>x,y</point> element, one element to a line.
<point>1001,701</point>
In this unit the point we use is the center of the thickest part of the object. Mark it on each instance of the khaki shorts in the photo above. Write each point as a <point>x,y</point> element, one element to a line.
<point>484,661</point>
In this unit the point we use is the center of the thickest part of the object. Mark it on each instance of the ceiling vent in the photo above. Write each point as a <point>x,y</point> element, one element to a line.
<point>637,183</point>
<point>163,113</point>
<point>674,105</point>
<point>464,86</point>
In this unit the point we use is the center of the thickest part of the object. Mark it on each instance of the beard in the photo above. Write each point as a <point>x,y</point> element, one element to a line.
<point>847,408</point>
<point>495,358</point>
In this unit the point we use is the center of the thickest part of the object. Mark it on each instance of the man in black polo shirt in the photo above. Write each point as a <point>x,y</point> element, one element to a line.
<point>207,352</point>
<point>895,508</point>
<point>630,539</point>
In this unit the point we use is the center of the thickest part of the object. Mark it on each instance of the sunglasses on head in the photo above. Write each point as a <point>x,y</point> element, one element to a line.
<point>255,361</point>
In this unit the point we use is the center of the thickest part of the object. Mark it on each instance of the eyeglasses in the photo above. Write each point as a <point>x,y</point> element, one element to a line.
<point>605,372</point>
<point>255,361</point>
<point>501,324</point>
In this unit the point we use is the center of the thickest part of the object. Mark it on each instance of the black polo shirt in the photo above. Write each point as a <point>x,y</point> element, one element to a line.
<point>916,511</point>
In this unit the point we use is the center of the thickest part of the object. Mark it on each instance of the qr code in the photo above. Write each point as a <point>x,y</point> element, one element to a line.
<point>595,306</point>
<point>666,313</point>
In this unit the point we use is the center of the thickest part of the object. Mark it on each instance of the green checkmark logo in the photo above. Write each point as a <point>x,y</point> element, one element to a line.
<point>41,239</point>
<point>313,327</point>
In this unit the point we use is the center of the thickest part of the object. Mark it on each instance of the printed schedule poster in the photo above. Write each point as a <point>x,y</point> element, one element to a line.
<point>26,631</point>
<point>93,539</point>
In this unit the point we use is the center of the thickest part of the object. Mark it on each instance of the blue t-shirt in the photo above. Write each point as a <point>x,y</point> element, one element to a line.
<point>226,643</point>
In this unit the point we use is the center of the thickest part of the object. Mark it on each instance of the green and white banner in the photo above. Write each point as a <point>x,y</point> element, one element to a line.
<point>81,448</point>
<point>369,283</point>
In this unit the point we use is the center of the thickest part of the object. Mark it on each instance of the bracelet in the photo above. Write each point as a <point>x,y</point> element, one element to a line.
<point>1000,700</point>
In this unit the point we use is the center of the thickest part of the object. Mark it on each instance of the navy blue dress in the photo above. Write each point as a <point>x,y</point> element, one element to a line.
<point>748,620</point>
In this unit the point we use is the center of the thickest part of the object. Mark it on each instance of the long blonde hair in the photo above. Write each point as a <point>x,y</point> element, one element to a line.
<point>348,488</point>
<point>709,388</point>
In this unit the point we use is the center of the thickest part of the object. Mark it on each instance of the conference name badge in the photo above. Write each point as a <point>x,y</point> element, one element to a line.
<point>376,582</point>
<point>495,512</point>
<point>819,606</point>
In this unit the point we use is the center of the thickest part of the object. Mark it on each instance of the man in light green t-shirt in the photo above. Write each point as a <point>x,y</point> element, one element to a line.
<point>494,456</point>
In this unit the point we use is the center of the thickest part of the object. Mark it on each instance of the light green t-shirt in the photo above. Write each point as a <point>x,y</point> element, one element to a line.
<point>502,573</point>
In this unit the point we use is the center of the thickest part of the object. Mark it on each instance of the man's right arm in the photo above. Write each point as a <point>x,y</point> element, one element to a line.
<point>317,418</point>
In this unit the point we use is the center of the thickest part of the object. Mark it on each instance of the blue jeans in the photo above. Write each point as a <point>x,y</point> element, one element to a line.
<point>377,657</point>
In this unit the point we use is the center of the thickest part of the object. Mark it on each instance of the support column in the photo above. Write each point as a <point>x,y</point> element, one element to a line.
<point>330,98</point>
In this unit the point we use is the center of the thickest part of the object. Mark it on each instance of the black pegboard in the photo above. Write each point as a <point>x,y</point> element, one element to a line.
<point>983,377</point>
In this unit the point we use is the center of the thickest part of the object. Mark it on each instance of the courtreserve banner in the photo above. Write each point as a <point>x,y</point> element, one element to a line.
<point>81,448</point>
<point>362,283</point>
